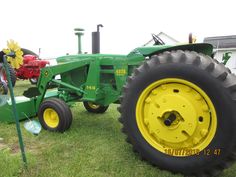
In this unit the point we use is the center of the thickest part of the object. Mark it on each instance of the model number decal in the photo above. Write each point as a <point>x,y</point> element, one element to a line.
<point>120,72</point>
<point>90,87</point>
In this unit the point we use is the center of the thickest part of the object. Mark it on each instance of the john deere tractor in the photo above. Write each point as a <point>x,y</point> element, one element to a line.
<point>177,104</point>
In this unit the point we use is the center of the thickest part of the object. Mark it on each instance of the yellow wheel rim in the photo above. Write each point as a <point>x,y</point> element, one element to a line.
<point>93,106</point>
<point>174,115</point>
<point>51,118</point>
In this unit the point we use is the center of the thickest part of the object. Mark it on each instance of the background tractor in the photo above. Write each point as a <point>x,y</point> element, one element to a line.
<point>30,69</point>
<point>177,104</point>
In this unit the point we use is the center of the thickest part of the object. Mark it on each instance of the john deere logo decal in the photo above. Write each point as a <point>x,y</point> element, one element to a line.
<point>46,73</point>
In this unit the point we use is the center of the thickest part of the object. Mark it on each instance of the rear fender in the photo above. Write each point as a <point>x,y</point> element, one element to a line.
<point>204,48</point>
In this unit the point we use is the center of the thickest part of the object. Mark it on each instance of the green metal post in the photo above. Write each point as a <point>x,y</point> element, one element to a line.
<point>79,33</point>
<point>15,113</point>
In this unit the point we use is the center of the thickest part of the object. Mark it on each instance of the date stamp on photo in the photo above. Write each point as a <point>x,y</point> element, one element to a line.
<point>192,151</point>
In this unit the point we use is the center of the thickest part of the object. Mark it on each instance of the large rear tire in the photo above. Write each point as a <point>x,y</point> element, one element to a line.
<point>12,74</point>
<point>178,112</point>
<point>55,115</point>
<point>3,88</point>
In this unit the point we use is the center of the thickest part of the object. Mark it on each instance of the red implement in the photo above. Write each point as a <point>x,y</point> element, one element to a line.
<point>31,67</point>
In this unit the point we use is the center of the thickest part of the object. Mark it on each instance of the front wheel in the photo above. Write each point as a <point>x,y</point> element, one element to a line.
<point>178,111</point>
<point>55,115</point>
<point>94,108</point>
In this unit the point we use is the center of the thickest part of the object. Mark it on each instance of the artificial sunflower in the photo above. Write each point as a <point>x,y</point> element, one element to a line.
<point>17,61</point>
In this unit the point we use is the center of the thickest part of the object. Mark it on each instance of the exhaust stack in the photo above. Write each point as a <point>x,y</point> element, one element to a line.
<point>96,40</point>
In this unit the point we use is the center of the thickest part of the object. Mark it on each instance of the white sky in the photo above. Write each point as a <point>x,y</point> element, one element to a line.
<point>49,24</point>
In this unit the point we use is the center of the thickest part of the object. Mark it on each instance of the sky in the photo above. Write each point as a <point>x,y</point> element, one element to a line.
<point>49,24</point>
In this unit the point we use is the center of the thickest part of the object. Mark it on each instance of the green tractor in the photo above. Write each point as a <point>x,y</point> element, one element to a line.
<point>177,104</point>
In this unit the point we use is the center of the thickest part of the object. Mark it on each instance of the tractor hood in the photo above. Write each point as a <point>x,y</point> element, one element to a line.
<point>72,58</point>
<point>204,48</point>
<point>199,47</point>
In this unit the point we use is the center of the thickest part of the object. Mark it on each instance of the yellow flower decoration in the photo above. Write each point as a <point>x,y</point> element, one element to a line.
<point>17,61</point>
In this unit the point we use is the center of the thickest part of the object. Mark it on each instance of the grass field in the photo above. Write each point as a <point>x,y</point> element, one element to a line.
<point>94,146</point>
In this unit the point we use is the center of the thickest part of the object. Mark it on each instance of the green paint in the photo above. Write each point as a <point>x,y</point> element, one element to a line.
<point>23,104</point>
<point>198,47</point>
<point>95,77</point>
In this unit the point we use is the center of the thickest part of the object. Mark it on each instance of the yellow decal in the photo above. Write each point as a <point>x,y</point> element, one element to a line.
<point>90,87</point>
<point>120,72</point>
<point>46,73</point>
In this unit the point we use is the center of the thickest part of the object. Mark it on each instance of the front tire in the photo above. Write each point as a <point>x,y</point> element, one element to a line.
<point>55,115</point>
<point>178,112</point>
<point>94,108</point>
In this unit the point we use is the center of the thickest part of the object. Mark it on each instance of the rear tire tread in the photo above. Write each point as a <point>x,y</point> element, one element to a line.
<point>221,73</point>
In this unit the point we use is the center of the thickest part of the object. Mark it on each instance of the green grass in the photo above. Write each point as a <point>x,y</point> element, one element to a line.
<point>94,146</point>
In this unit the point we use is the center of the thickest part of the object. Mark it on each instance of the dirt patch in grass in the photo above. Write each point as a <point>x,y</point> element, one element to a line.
<point>15,148</point>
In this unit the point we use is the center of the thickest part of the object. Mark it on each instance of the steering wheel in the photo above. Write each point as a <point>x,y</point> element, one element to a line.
<point>157,40</point>
<point>190,38</point>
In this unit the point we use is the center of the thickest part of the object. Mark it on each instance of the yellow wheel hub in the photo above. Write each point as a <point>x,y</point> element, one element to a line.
<point>51,118</point>
<point>93,106</point>
<point>174,114</point>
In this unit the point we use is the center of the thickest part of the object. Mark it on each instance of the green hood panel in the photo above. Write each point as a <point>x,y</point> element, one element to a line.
<point>72,58</point>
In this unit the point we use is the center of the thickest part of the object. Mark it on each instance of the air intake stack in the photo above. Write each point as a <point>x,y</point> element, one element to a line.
<point>79,33</point>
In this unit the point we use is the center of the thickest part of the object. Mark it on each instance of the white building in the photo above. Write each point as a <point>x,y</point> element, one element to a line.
<point>223,45</point>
